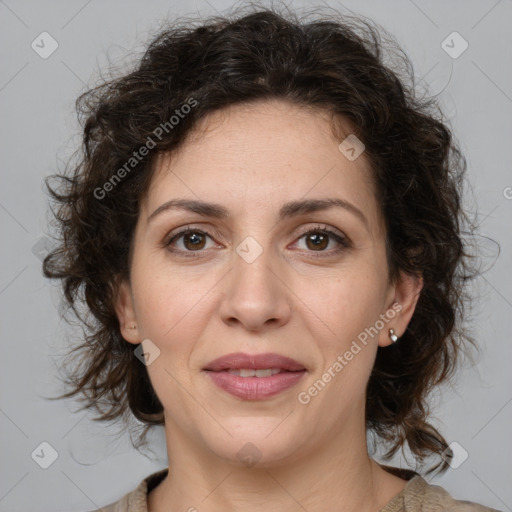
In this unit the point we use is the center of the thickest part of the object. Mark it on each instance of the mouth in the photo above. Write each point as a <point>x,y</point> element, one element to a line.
<point>247,372</point>
<point>256,376</point>
<point>254,362</point>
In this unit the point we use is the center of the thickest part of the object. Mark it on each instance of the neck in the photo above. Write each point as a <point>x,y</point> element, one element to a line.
<point>337,476</point>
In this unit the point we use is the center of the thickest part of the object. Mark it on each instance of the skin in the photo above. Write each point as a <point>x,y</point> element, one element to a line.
<point>252,158</point>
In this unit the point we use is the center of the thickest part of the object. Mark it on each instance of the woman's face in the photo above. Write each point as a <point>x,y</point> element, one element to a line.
<point>251,281</point>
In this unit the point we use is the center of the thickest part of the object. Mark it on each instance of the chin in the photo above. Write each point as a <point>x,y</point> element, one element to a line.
<point>258,444</point>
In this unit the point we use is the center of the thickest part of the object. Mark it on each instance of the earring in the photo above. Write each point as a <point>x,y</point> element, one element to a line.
<point>393,336</point>
<point>132,326</point>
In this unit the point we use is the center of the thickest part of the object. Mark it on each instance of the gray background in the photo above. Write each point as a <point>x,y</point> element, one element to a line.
<point>39,130</point>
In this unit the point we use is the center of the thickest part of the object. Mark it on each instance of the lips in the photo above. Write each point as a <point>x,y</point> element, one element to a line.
<point>254,377</point>
<point>239,361</point>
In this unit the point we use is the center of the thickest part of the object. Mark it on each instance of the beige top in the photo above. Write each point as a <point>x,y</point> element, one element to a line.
<point>417,496</point>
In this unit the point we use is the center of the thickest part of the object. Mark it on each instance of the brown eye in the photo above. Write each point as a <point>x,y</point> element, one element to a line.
<point>194,240</point>
<point>317,241</point>
<point>188,241</point>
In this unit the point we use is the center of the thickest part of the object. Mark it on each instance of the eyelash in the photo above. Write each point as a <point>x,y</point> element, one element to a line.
<point>341,240</point>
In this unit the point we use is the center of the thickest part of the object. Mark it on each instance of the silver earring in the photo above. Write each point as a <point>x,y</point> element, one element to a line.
<point>393,336</point>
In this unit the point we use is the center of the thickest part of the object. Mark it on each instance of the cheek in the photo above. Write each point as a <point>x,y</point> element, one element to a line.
<point>345,303</point>
<point>344,311</point>
<point>167,299</point>
<point>171,310</point>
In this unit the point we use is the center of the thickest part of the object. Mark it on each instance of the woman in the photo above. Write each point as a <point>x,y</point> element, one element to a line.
<point>266,228</point>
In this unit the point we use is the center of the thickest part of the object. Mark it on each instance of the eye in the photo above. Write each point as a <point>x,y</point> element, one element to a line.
<point>192,240</point>
<point>319,238</point>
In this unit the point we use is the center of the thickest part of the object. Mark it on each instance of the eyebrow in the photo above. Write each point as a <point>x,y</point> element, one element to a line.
<point>287,210</point>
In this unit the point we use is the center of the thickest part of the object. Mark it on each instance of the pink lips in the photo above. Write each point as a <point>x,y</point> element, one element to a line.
<point>254,388</point>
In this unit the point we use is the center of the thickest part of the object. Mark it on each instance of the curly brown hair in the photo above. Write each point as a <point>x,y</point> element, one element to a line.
<point>336,64</point>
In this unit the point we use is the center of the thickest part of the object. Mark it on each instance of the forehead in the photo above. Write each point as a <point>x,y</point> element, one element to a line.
<point>262,155</point>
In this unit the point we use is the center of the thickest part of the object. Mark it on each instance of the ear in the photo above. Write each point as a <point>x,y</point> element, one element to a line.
<point>404,297</point>
<point>126,313</point>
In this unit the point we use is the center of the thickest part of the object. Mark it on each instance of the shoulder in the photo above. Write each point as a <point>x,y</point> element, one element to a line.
<point>420,496</point>
<point>417,496</point>
<point>136,500</point>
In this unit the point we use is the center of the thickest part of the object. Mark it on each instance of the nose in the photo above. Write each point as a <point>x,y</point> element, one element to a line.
<point>255,295</point>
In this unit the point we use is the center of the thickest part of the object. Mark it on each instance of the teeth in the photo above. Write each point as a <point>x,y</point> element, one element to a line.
<point>254,373</point>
